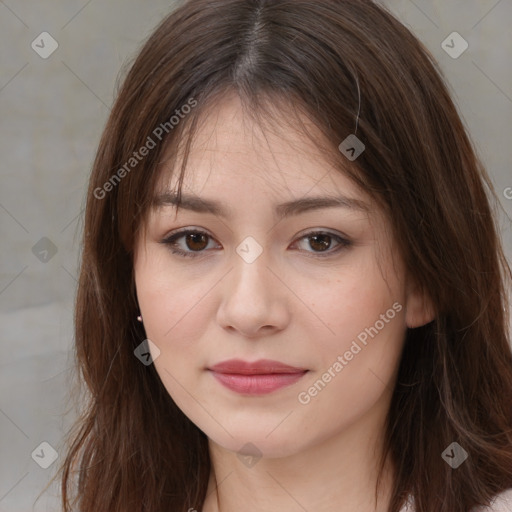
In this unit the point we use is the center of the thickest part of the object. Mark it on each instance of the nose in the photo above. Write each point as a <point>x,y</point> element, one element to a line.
<point>255,301</point>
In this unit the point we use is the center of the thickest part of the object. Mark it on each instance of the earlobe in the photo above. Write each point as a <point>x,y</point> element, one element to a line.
<point>419,309</point>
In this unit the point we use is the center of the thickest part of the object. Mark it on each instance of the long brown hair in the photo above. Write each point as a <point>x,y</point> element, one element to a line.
<point>351,67</point>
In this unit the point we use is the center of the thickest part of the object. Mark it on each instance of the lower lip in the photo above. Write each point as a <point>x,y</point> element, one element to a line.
<point>257,384</point>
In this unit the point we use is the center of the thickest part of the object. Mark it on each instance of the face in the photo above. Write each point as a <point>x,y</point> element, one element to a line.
<point>321,290</point>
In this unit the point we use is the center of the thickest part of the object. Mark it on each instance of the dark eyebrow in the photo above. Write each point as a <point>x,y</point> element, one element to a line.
<point>294,207</point>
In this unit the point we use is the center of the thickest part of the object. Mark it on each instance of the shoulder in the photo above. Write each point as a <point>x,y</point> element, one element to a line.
<point>500,503</point>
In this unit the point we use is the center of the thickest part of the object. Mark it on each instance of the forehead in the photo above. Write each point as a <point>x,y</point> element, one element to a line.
<point>231,153</point>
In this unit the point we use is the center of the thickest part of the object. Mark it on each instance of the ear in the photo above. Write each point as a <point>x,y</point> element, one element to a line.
<point>419,309</point>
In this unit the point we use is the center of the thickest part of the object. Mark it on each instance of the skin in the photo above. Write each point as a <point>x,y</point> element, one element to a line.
<point>290,305</point>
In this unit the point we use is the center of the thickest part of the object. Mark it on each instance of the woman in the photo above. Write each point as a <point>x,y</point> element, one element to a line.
<point>319,320</point>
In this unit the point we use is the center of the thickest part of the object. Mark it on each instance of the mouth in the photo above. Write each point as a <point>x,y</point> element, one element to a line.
<point>257,378</point>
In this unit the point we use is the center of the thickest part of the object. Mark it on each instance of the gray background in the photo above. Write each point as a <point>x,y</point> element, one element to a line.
<point>52,113</point>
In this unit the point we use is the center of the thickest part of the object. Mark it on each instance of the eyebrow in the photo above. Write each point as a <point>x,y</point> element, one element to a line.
<point>287,209</point>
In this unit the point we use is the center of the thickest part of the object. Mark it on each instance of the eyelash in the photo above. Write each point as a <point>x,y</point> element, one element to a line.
<point>170,241</point>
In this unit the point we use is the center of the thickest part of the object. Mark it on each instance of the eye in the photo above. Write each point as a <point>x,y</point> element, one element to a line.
<point>321,241</point>
<point>197,241</point>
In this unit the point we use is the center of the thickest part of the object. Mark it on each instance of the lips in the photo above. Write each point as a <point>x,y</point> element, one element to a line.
<point>261,367</point>
<point>257,378</point>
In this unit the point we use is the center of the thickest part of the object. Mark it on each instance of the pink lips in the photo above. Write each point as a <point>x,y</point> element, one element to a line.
<point>257,378</point>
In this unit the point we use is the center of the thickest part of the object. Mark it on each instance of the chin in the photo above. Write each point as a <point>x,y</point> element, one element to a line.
<point>257,444</point>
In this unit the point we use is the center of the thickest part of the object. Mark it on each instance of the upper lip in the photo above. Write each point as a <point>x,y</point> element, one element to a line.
<point>260,367</point>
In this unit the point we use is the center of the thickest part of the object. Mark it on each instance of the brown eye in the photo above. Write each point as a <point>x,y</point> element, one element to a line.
<point>196,241</point>
<point>320,242</point>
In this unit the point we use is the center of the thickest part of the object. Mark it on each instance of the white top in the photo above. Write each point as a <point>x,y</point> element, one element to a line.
<point>501,503</point>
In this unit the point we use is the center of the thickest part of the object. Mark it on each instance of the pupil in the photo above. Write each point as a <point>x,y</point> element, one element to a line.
<point>194,238</point>
<point>324,245</point>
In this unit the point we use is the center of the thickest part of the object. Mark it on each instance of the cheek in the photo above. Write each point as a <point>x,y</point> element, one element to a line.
<point>344,306</point>
<point>173,316</point>
<point>169,300</point>
<point>361,340</point>
<point>357,356</point>
<point>170,315</point>
<point>355,368</point>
